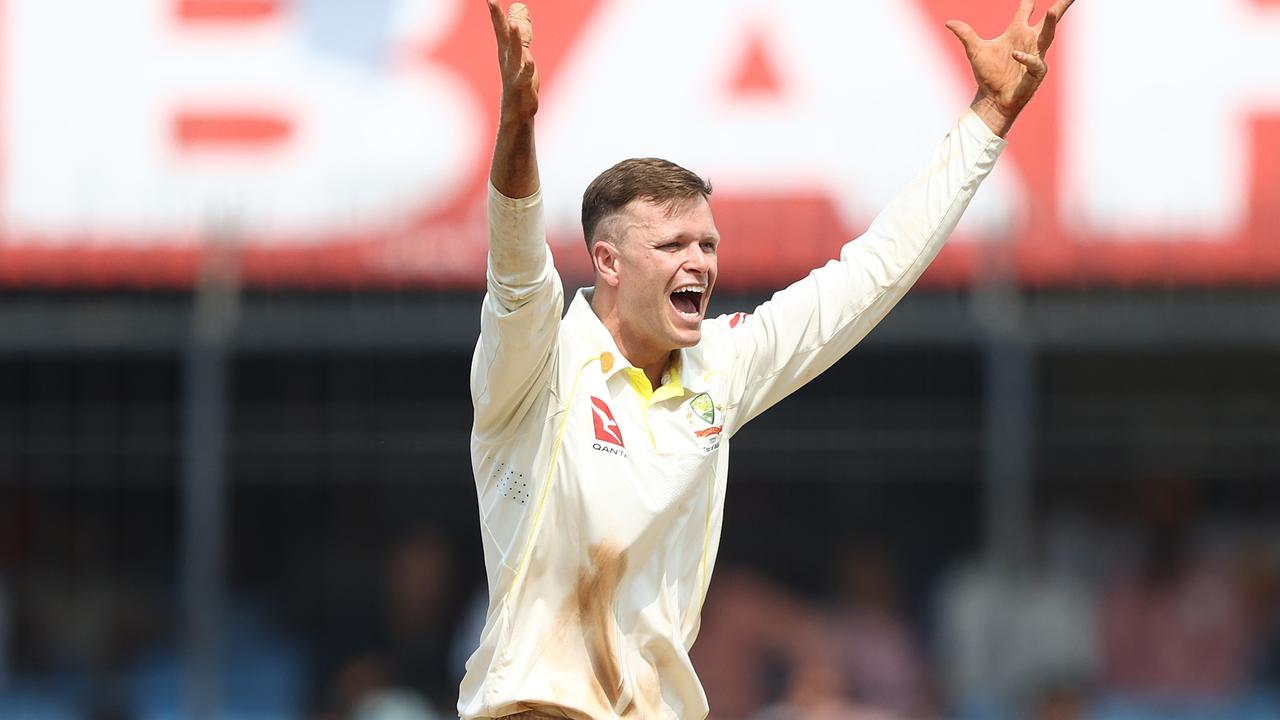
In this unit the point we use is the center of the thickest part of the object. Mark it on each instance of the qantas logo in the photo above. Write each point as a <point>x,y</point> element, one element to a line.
<point>607,429</point>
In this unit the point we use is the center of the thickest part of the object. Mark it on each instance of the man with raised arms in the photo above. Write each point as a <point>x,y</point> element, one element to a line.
<point>601,438</point>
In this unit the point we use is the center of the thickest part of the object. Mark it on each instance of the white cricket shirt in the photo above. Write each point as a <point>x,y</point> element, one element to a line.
<point>601,498</point>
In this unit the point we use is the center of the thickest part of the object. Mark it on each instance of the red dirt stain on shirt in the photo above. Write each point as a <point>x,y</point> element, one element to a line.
<point>592,608</point>
<point>586,629</point>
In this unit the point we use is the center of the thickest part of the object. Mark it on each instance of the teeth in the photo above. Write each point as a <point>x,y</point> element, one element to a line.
<point>692,288</point>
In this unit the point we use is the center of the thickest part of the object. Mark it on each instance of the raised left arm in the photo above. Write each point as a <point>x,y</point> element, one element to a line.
<point>1009,68</point>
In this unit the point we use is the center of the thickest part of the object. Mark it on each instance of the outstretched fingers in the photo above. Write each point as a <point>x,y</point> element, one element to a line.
<point>502,36</point>
<point>527,70</point>
<point>498,21</point>
<point>515,38</point>
<point>1025,8</point>
<point>520,35</point>
<point>966,34</point>
<point>1049,28</point>
<point>1059,9</point>
<point>515,47</point>
<point>518,29</point>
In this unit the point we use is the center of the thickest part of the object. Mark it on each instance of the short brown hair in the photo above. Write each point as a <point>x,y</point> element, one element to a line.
<point>659,181</point>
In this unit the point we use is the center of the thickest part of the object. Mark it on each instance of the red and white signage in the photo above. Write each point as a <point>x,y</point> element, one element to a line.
<point>345,144</point>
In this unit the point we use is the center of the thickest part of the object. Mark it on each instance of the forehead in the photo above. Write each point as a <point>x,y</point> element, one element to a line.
<point>690,217</point>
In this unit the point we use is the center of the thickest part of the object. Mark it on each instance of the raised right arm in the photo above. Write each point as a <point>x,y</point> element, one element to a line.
<point>514,172</point>
<point>524,299</point>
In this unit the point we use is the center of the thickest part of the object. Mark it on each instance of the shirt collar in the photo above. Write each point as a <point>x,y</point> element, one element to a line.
<point>596,342</point>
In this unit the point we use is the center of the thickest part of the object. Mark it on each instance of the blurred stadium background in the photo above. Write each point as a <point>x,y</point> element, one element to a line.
<point>241,252</point>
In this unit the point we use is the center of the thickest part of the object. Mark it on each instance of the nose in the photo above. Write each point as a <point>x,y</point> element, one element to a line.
<point>695,259</point>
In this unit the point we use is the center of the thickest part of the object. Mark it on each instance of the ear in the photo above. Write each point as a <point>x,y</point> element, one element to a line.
<point>606,259</point>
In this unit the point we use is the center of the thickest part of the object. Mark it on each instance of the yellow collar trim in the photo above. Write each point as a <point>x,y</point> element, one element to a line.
<point>673,387</point>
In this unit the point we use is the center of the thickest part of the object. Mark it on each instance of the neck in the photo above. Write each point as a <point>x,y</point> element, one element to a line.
<point>653,370</point>
<point>653,361</point>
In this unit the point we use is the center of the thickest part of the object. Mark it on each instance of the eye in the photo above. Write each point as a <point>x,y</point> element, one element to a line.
<point>708,246</point>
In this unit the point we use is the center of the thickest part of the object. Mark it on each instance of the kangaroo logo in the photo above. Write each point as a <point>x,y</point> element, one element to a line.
<point>607,429</point>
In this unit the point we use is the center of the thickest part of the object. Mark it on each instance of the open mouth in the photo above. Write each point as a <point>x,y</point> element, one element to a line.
<point>688,301</point>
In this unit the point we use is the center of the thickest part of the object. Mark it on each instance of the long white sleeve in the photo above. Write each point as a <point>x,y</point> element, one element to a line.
<point>807,327</point>
<point>519,319</point>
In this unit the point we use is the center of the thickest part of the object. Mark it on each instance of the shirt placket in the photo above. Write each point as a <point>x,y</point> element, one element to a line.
<point>651,400</point>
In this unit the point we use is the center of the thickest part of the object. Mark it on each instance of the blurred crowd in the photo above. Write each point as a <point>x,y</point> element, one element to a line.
<point>1166,615</point>
<point>1157,611</point>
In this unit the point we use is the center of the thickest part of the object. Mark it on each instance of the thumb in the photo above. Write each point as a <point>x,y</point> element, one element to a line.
<point>965,33</point>
<point>518,15</point>
<point>1034,64</point>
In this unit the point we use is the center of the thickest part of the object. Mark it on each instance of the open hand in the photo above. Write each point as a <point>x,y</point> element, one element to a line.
<point>1010,68</point>
<point>514,33</point>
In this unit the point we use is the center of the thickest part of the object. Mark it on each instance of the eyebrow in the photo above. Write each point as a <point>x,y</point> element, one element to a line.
<point>686,236</point>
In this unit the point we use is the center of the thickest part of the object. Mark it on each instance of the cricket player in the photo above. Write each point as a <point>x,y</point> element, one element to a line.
<point>601,438</point>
